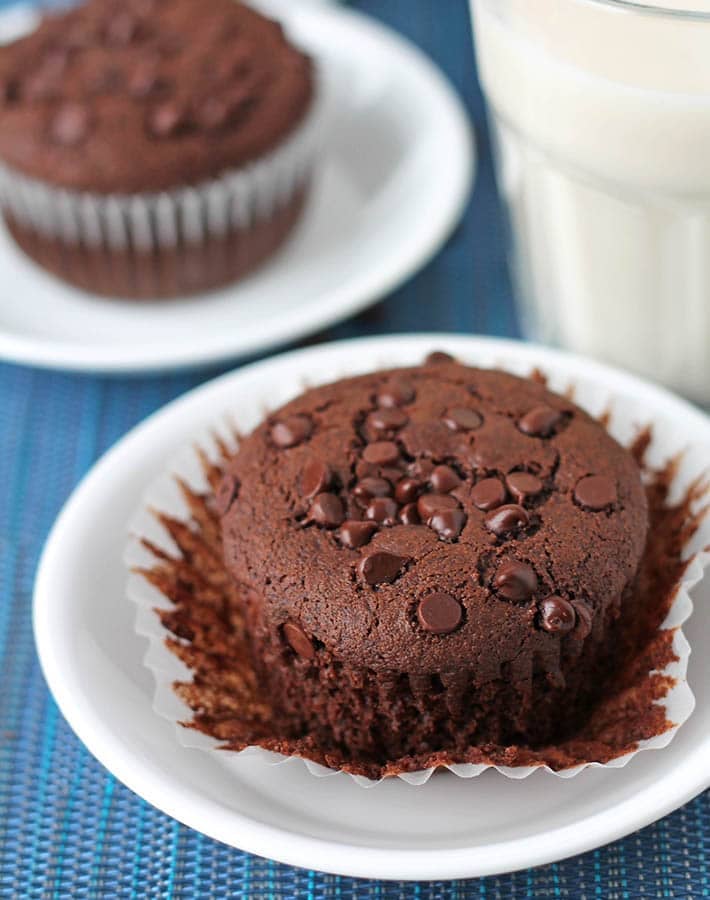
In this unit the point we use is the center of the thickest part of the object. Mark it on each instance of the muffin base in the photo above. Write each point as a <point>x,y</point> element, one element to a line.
<point>186,268</point>
<point>208,625</point>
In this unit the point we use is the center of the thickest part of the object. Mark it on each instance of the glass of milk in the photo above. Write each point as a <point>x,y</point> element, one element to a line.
<point>600,115</point>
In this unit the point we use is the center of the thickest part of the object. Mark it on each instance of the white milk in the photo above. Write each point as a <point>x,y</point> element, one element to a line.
<point>601,117</point>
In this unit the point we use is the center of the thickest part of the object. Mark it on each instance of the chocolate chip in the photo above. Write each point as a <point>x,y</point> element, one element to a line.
<point>595,492</point>
<point>443,479</point>
<point>167,120</point>
<point>315,478</point>
<point>459,418</point>
<point>70,126</point>
<point>298,640</point>
<point>583,627</point>
<point>9,90</point>
<point>439,613</point>
<point>381,453</point>
<point>407,490</point>
<point>397,392</point>
<point>327,510</point>
<point>291,431</point>
<point>145,80</point>
<point>387,419</point>
<point>540,421</point>
<point>506,519</point>
<point>367,488</point>
<point>226,494</point>
<point>421,468</point>
<point>409,515</point>
<point>428,504</point>
<point>212,113</point>
<point>391,473</point>
<point>438,356</point>
<point>515,580</point>
<point>383,510</point>
<point>354,534</point>
<point>381,568</point>
<point>523,485</point>
<point>106,81</point>
<point>122,29</point>
<point>557,615</point>
<point>447,523</point>
<point>488,494</point>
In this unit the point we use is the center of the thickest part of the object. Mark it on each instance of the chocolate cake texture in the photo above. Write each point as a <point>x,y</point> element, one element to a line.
<point>432,558</point>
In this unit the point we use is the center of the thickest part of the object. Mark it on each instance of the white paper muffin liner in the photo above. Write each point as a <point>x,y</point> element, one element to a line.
<point>625,416</point>
<point>148,222</point>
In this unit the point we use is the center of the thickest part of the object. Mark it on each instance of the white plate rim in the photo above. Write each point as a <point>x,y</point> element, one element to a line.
<point>370,285</point>
<point>233,828</point>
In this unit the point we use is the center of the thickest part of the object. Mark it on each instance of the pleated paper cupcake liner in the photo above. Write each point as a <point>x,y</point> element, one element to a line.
<point>171,498</point>
<point>149,222</point>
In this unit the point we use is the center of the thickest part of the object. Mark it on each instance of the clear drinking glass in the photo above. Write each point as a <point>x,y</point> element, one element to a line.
<point>600,115</point>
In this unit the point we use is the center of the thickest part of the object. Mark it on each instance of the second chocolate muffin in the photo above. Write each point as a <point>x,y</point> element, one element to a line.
<point>432,558</point>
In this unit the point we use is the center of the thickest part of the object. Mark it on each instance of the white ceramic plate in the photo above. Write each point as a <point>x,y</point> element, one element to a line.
<point>394,181</point>
<point>449,828</point>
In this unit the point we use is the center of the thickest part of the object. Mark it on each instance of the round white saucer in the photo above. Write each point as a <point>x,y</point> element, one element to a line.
<point>448,828</point>
<point>395,178</point>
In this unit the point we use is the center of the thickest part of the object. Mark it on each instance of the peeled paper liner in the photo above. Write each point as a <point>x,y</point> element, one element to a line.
<point>169,497</point>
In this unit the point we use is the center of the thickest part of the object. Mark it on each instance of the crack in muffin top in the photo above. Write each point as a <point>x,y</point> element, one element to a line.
<point>433,519</point>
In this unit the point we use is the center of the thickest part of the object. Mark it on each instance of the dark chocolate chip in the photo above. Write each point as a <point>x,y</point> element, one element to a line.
<point>447,523</point>
<point>515,580</point>
<point>459,418</point>
<point>167,120</point>
<point>354,534</point>
<point>397,392</point>
<point>226,494</point>
<point>212,114</point>
<point>428,504</point>
<point>557,615</point>
<point>70,125</point>
<point>383,510</point>
<point>391,473</point>
<point>409,515</point>
<point>387,419</point>
<point>488,494</point>
<point>381,453</point>
<point>421,468</point>
<point>506,519</point>
<point>438,356</point>
<point>583,627</point>
<point>439,613</point>
<point>327,510</point>
<point>381,568</point>
<point>407,490</point>
<point>122,29</point>
<point>145,80</point>
<point>540,421</point>
<point>523,485</point>
<point>316,477</point>
<point>443,479</point>
<point>298,640</point>
<point>291,431</point>
<point>595,492</point>
<point>370,487</point>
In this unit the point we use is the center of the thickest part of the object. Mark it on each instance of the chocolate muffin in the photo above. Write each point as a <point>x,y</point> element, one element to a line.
<point>432,558</point>
<point>154,147</point>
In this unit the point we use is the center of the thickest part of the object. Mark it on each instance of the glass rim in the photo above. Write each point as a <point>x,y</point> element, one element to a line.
<point>652,9</point>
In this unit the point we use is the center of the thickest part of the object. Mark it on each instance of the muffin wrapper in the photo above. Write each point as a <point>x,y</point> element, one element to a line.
<point>623,415</point>
<point>192,215</point>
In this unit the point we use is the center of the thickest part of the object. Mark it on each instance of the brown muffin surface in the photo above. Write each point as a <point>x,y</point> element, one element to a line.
<point>433,555</point>
<point>147,95</point>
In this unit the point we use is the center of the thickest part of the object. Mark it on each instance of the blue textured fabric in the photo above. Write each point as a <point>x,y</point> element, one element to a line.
<point>67,828</point>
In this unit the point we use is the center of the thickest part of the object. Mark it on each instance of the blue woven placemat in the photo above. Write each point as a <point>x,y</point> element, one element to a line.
<point>67,828</point>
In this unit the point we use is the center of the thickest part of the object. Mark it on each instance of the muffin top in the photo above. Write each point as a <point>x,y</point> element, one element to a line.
<point>433,519</point>
<point>124,96</point>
